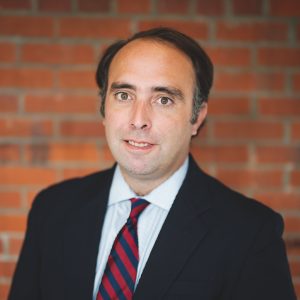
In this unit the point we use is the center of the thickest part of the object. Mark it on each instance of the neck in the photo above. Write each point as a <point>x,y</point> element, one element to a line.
<point>144,184</point>
<point>143,187</point>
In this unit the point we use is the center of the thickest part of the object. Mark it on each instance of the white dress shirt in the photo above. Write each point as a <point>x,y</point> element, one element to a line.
<point>149,223</point>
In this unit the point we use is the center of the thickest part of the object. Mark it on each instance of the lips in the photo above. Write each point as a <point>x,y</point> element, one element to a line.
<point>141,145</point>
<point>136,144</point>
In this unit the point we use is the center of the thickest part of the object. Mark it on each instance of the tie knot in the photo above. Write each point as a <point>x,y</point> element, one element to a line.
<point>137,207</point>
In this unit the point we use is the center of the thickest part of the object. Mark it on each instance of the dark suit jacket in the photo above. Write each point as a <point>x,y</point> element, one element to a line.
<point>214,244</point>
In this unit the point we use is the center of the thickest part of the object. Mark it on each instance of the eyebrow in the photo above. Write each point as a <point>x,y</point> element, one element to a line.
<point>174,92</point>
<point>121,85</point>
<point>171,91</point>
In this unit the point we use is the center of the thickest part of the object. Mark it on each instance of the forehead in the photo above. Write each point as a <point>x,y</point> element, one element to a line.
<point>147,58</point>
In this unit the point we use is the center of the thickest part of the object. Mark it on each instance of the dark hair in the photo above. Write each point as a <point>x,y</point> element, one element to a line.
<point>202,64</point>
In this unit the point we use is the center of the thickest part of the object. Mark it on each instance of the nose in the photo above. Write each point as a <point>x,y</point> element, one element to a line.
<point>140,116</point>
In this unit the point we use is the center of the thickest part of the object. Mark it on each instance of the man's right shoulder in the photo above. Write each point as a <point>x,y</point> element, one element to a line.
<point>74,191</point>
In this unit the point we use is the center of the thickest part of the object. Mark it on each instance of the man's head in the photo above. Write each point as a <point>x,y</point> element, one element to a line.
<point>202,64</point>
<point>154,104</point>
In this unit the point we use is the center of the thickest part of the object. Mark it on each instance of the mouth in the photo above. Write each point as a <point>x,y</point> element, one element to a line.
<point>139,145</point>
<point>136,144</point>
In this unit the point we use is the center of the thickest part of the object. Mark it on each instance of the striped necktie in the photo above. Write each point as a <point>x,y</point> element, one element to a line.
<point>119,277</point>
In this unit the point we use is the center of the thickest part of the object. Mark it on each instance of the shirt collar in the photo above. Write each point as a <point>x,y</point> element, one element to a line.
<point>162,196</point>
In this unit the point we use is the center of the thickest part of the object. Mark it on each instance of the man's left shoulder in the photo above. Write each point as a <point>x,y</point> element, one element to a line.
<point>230,207</point>
<point>239,208</point>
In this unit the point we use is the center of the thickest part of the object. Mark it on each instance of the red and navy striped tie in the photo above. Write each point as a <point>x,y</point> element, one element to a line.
<point>119,277</point>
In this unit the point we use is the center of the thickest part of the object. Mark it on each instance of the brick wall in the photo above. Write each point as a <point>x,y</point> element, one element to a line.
<point>50,127</point>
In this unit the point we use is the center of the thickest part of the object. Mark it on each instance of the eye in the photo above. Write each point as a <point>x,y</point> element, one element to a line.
<point>165,100</point>
<point>122,96</point>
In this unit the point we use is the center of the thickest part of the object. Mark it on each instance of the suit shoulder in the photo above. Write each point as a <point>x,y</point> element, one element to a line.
<point>241,209</point>
<point>72,191</point>
<point>241,218</point>
<point>223,198</point>
<point>234,200</point>
<point>229,205</point>
<point>78,182</point>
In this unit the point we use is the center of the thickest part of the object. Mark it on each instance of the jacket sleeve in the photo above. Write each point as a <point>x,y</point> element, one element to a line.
<point>25,283</point>
<point>265,273</point>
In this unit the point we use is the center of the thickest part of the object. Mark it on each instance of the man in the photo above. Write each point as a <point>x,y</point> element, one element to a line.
<point>193,238</point>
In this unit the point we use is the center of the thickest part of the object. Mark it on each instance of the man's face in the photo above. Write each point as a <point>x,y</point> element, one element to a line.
<point>148,109</point>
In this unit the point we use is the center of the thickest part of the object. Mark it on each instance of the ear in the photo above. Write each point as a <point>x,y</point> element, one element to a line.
<point>200,119</point>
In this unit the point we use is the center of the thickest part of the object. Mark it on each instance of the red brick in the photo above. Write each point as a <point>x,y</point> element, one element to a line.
<point>37,153</point>
<point>245,81</point>
<point>9,199</point>
<point>135,6</point>
<point>57,54</point>
<point>78,172</point>
<point>15,4</point>
<point>2,247</point>
<point>30,196</point>
<point>50,5</point>
<point>82,129</point>
<point>9,153</point>
<point>173,6</point>
<point>293,245</point>
<point>246,130</point>
<point>26,175</point>
<point>15,245</point>
<point>297,288</point>
<point>296,82</point>
<point>107,154</point>
<point>7,268</point>
<point>296,131</point>
<point>252,31</point>
<point>277,154</point>
<point>8,103</point>
<point>228,106</point>
<point>283,107</point>
<point>220,154</point>
<point>287,8</point>
<point>4,289</point>
<point>292,224</point>
<point>62,103</point>
<point>94,27</point>
<point>62,152</point>
<point>224,56</point>
<point>251,178</point>
<point>26,78</point>
<point>253,7</point>
<point>279,56</point>
<point>295,268</point>
<point>211,8</point>
<point>295,178</point>
<point>13,223</point>
<point>279,200</point>
<point>95,5</point>
<point>202,133</point>
<point>195,29</point>
<point>29,26</point>
<point>77,79</point>
<point>8,52</point>
<point>22,127</point>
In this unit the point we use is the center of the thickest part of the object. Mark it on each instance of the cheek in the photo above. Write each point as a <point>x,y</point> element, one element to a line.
<point>112,119</point>
<point>115,127</point>
<point>177,130</point>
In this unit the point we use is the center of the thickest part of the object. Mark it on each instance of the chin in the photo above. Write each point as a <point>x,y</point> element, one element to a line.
<point>139,169</point>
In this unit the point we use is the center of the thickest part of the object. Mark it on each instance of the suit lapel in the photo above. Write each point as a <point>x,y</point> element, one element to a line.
<point>183,230</point>
<point>82,233</point>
